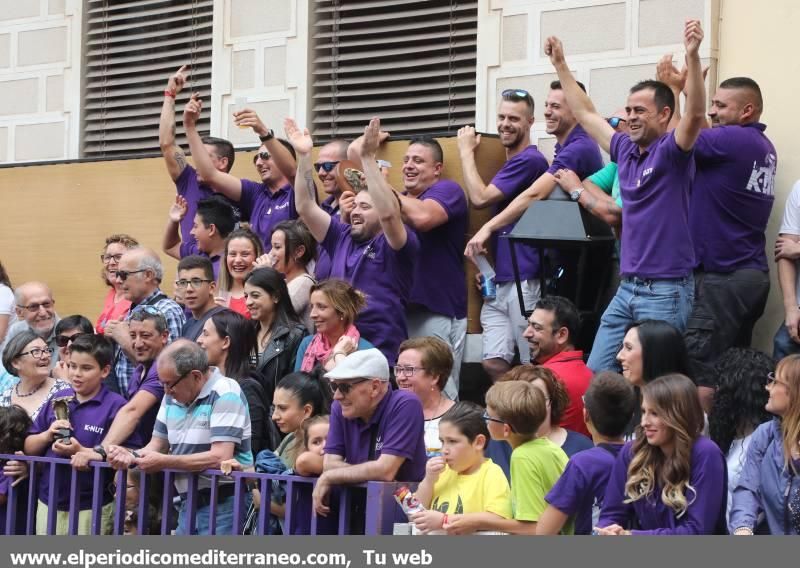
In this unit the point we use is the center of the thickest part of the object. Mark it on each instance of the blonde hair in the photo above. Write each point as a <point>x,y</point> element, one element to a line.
<point>519,404</point>
<point>346,300</point>
<point>437,358</point>
<point>307,424</point>
<point>789,369</point>
<point>676,400</point>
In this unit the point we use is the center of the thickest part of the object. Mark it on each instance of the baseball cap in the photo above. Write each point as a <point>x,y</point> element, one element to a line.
<point>366,364</point>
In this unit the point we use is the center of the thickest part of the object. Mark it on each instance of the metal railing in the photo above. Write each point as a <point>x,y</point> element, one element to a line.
<point>367,508</point>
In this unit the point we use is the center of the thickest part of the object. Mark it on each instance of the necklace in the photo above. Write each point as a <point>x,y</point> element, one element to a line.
<point>34,391</point>
<point>437,407</point>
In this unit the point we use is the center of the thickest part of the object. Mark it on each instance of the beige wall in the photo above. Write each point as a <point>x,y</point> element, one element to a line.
<point>761,44</point>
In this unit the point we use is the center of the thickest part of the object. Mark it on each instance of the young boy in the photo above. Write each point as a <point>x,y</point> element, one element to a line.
<point>609,404</point>
<point>92,409</point>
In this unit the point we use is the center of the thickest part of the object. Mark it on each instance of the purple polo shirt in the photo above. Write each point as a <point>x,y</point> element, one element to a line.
<point>441,257</point>
<point>322,269</point>
<point>190,248</point>
<point>397,427</point>
<point>190,188</point>
<point>655,185</point>
<point>147,383</point>
<point>579,153</point>
<point>516,175</point>
<point>582,486</point>
<point>383,274</point>
<point>90,422</point>
<point>707,502</point>
<point>732,197</point>
<point>266,209</point>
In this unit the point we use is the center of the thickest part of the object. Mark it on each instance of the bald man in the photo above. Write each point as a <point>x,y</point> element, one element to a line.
<point>139,274</point>
<point>35,309</point>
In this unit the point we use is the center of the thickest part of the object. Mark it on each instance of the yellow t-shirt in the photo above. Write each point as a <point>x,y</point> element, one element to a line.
<point>486,490</point>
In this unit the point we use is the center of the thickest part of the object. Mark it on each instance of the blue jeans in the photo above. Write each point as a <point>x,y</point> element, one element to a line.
<point>636,299</point>
<point>224,514</point>
<point>783,345</point>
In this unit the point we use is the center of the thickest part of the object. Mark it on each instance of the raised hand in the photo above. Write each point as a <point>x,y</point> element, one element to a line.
<point>692,36</point>
<point>177,80</point>
<point>191,112</point>
<point>667,73</point>
<point>554,49</point>
<point>248,118</point>
<point>178,209</point>
<point>371,141</point>
<point>468,140</point>
<point>299,139</point>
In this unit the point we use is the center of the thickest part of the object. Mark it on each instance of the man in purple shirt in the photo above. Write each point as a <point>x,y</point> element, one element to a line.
<point>656,170</point>
<point>375,253</point>
<point>525,177</point>
<point>328,158</point>
<point>376,433</point>
<point>731,202</point>
<point>267,203</point>
<point>188,183</point>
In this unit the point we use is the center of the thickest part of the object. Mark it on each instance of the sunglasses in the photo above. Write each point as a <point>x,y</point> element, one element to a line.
<point>345,388</point>
<point>123,274</point>
<point>615,120</point>
<point>517,95</point>
<point>327,166</point>
<point>63,340</point>
<point>264,155</point>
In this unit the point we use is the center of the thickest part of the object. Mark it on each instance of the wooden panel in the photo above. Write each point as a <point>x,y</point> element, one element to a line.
<point>56,217</point>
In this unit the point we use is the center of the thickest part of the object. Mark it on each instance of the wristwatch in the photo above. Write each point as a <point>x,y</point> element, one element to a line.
<point>100,450</point>
<point>268,136</point>
<point>575,194</point>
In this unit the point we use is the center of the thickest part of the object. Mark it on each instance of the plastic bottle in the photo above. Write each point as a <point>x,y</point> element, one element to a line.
<point>407,501</point>
<point>488,287</point>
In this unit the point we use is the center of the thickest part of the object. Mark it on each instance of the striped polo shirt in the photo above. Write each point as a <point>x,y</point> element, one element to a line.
<point>218,414</point>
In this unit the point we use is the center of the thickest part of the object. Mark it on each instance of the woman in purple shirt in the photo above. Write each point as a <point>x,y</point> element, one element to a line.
<point>670,480</point>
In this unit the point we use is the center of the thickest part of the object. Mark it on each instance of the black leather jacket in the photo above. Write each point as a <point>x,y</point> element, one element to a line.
<point>277,359</point>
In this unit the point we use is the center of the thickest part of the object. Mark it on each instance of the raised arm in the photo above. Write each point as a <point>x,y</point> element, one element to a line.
<point>354,149</point>
<point>579,102</point>
<point>480,194</point>
<point>693,119</point>
<point>593,198</point>
<point>384,199</point>
<point>280,154</point>
<point>171,244</point>
<point>305,192</point>
<point>174,157</point>
<point>422,214</point>
<point>221,182</point>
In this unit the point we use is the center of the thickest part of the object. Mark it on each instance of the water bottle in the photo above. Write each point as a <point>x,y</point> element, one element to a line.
<point>488,287</point>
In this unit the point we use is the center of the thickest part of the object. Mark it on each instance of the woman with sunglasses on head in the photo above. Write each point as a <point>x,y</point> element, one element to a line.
<point>770,482</point>
<point>670,480</point>
<point>334,307</point>
<point>293,249</point>
<point>279,331</point>
<point>66,330</point>
<point>242,248</point>
<point>229,340</point>
<point>115,306</point>
<point>423,367</point>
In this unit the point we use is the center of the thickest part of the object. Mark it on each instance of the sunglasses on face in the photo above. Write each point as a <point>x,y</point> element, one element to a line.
<point>327,166</point>
<point>615,120</point>
<point>264,155</point>
<point>346,387</point>
<point>63,340</point>
<point>517,95</point>
<point>123,274</point>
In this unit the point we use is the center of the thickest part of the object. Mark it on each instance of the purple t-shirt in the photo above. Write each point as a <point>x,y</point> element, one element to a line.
<point>582,486</point>
<point>439,279</point>
<point>90,421</point>
<point>322,269</point>
<point>193,192</point>
<point>148,383</point>
<point>579,153</point>
<point>732,197</point>
<point>266,209</point>
<point>190,248</point>
<point>707,499</point>
<point>516,175</point>
<point>383,274</point>
<point>397,428</point>
<point>655,187</point>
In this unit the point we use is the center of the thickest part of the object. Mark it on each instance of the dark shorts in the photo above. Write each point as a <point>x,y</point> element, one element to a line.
<point>725,310</point>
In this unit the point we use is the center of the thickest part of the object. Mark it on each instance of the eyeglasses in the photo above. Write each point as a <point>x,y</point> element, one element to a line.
<point>193,282</point>
<point>107,258</point>
<point>171,388</point>
<point>327,166</point>
<point>123,274</point>
<point>33,308</point>
<point>487,418</point>
<point>407,371</point>
<point>264,155</point>
<point>518,95</point>
<point>772,381</point>
<point>63,340</point>
<point>345,387</point>
<point>615,120</point>
<point>37,352</point>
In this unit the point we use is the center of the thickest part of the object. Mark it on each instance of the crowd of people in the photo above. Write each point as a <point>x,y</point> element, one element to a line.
<point>326,339</point>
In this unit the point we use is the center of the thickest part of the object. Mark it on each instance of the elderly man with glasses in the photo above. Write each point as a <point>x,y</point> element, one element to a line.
<point>376,433</point>
<point>139,276</point>
<point>35,312</point>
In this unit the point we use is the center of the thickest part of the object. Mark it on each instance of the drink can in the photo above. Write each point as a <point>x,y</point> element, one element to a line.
<point>488,288</point>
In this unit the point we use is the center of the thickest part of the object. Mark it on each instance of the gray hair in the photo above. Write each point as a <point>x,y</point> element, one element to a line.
<point>159,321</point>
<point>186,356</point>
<point>151,262</point>
<point>15,346</point>
<point>20,291</point>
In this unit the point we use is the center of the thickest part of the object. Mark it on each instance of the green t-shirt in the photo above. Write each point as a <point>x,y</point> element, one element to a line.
<point>608,180</point>
<point>535,467</point>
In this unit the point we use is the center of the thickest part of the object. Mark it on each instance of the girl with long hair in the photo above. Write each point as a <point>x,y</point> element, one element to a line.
<point>769,481</point>
<point>651,349</point>
<point>242,248</point>
<point>670,480</point>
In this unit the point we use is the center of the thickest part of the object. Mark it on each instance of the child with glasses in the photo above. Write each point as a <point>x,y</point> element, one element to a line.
<point>462,488</point>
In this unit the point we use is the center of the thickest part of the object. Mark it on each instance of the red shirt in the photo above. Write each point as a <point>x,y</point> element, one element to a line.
<point>111,311</point>
<point>576,376</point>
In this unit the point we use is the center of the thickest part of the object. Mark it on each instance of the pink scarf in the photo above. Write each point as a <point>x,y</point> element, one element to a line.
<point>320,349</point>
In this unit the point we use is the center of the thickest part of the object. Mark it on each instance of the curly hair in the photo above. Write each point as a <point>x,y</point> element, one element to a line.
<point>14,426</point>
<point>556,393</point>
<point>675,399</point>
<point>118,238</point>
<point>741,395</point>
<point>788,371</point>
